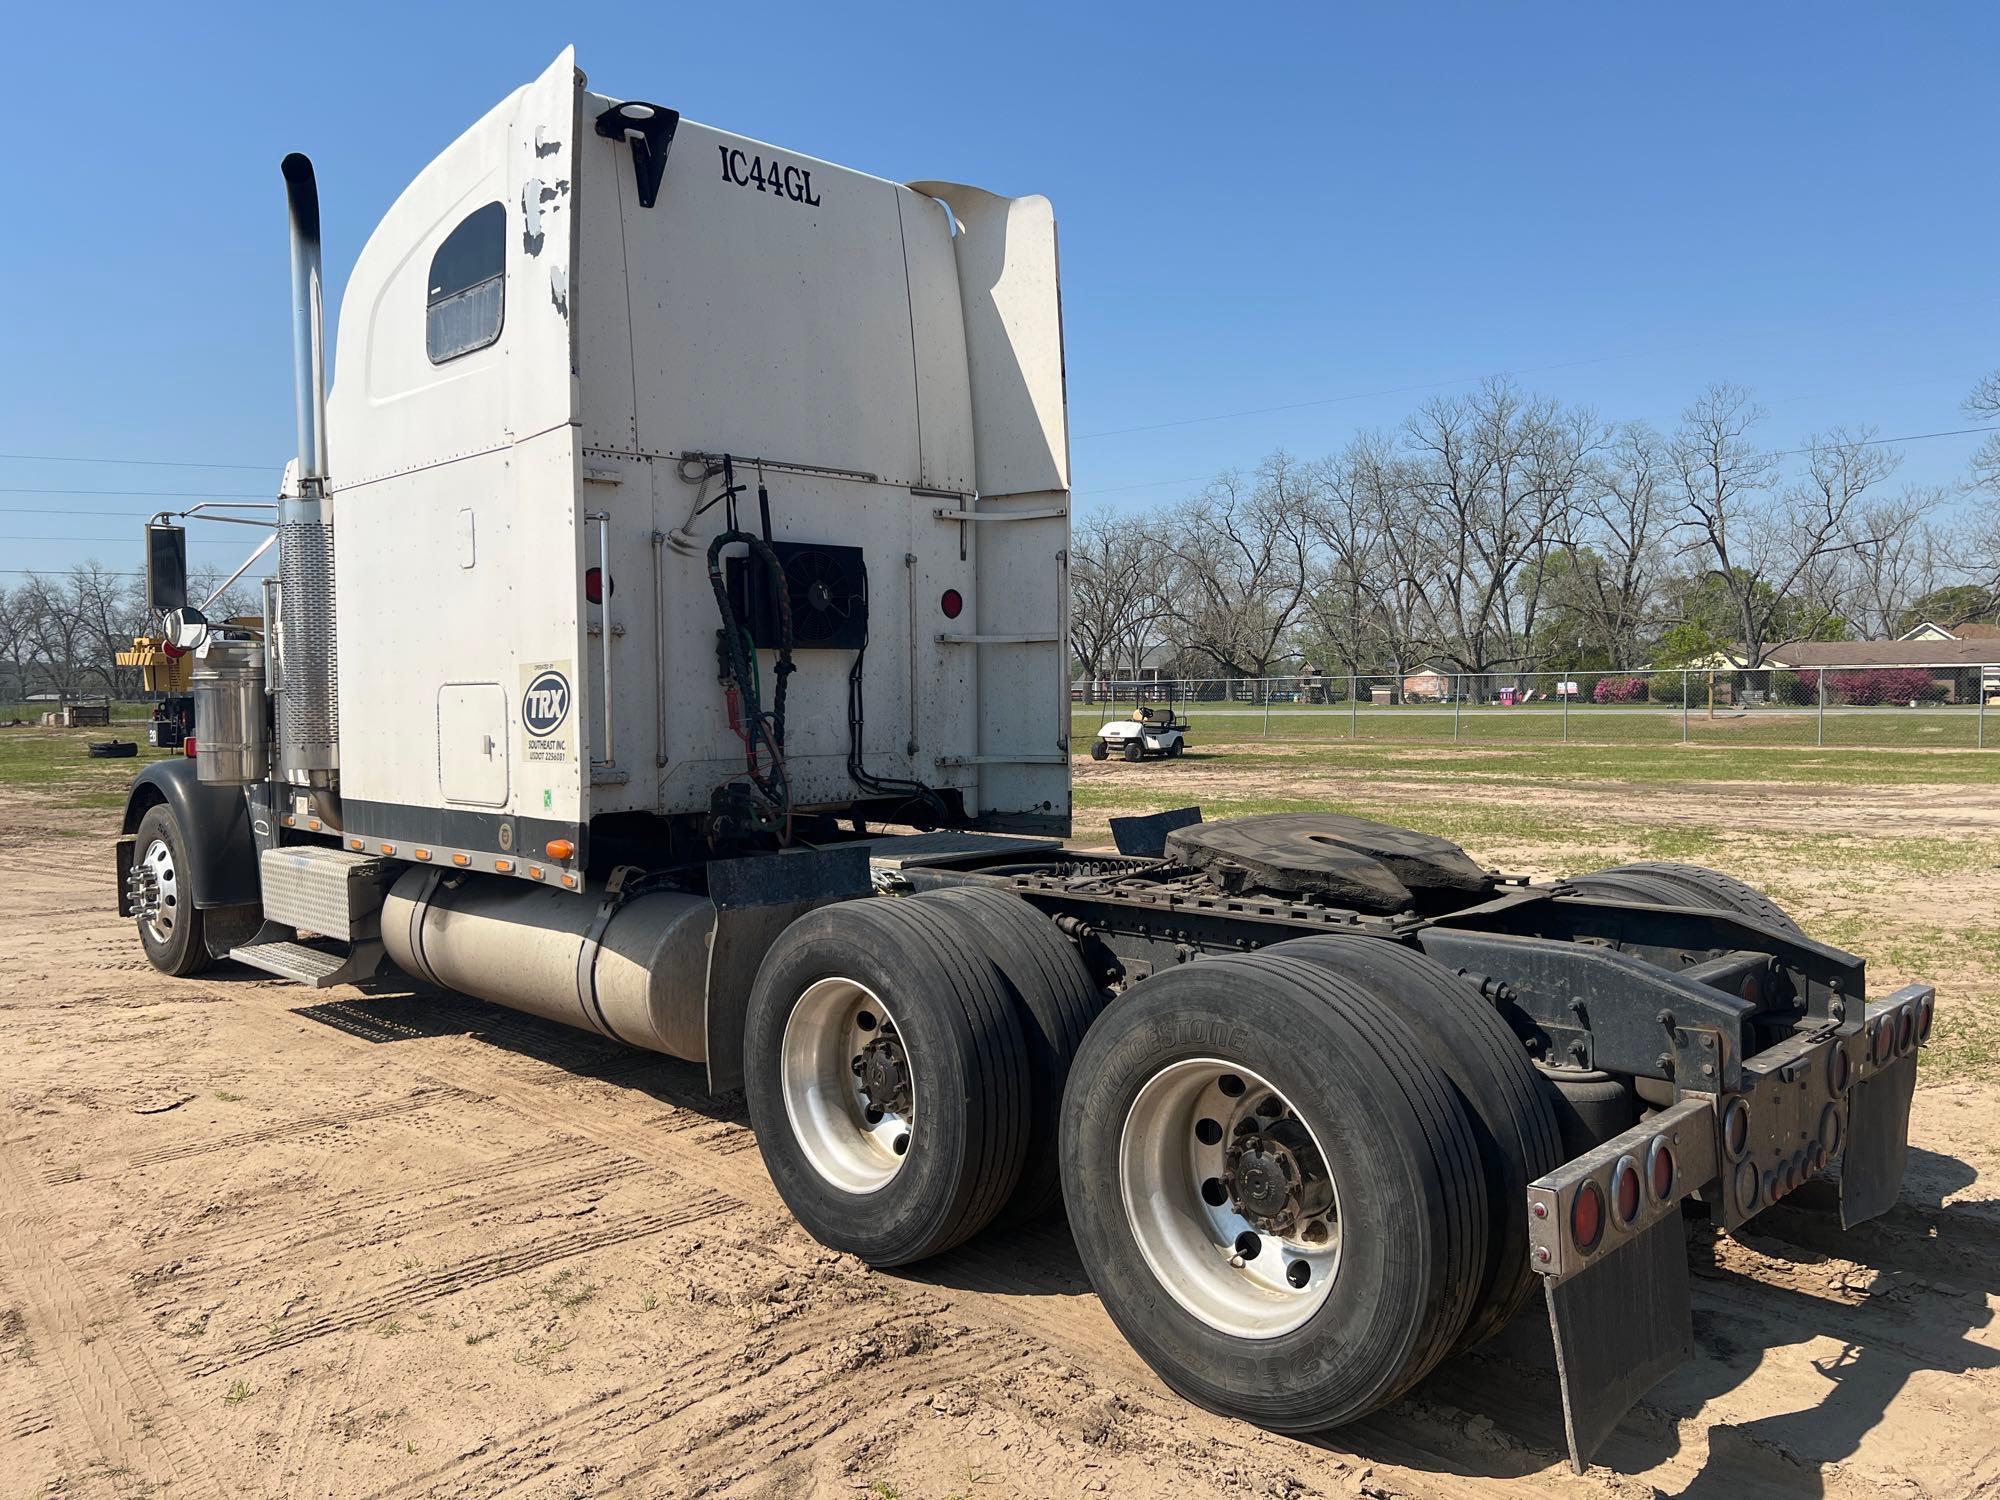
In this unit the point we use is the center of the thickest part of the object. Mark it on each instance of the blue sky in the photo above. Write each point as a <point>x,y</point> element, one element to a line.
<point>1259,208</point>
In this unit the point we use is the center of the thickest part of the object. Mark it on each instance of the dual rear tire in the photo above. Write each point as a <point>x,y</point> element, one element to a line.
<point>904,1063</point>
<point>1296,1178</point>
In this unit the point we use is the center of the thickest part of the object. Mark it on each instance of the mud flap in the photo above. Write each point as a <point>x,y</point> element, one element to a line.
<point>1878,1142</point>
<point>756,898</point>
<point>1621,1325</point>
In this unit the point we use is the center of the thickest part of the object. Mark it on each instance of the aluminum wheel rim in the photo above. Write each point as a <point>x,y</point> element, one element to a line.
<point>847,1136</point>
<point>1169,1173</point>
<point>161,916</point>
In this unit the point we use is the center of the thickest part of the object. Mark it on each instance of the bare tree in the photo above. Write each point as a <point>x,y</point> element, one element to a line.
<point>1117,594</point>
<point>1623,522</point>
<point>1897,557</point>
<point>1499,475</point>
<point>1984,404</point>
<point>1761,543</point>
<point>1241,567</point>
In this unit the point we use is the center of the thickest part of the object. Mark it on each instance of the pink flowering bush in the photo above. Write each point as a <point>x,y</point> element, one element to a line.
<point>1619,690</point>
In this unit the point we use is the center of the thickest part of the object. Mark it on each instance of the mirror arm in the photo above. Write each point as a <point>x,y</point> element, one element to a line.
<point>222,587</point>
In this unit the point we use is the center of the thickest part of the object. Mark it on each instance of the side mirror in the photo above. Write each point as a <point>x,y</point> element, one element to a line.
<point>166,568</point>
<point>186,628</point>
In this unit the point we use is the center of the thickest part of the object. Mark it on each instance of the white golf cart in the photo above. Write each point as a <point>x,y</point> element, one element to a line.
<point>1148,731</point>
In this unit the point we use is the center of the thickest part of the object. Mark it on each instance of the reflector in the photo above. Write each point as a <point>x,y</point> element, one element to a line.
<point>1586,1217</point>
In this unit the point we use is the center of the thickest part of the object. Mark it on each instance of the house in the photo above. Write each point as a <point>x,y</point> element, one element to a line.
<point>1426,685</point>
<point>1930,630</point>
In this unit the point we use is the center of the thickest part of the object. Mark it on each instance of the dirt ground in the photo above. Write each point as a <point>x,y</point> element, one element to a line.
<point>256,1240</point>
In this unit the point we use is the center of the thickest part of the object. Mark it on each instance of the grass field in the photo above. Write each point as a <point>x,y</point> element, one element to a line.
<point>1895,856</point>
<point>1959,728</point>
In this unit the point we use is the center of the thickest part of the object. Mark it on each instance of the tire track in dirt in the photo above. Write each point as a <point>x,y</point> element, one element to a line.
<point>344,1230</point>
<point>318,1221</point>
<point>423,1098</point>
<point>111,1402</point>
<point>413,1291</point>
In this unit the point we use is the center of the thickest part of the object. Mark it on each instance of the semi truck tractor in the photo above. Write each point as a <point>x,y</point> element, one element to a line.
<point>668,637</point>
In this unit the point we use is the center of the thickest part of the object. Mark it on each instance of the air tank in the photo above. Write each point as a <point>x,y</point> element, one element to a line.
<point>523,946</point>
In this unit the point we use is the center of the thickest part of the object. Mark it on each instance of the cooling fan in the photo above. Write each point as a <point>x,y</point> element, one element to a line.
<point>826,585</point>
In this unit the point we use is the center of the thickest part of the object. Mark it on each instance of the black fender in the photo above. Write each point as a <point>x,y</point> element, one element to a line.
<point>215,828</point>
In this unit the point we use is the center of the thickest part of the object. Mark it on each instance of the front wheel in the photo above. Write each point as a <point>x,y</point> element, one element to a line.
<point>170,928</point>
<point>1274,1190</point>
<point>1099,750</point>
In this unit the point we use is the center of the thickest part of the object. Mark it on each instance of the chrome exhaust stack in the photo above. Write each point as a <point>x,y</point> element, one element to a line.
<point>307,682</point>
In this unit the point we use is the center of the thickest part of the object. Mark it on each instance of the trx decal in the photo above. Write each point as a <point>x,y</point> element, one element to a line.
<point>779,178</point>
<point>546,700</point>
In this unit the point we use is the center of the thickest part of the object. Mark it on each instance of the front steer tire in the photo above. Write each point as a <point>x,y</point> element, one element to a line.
<point>967,1063</point>
<point>1099,750</point>
<point>175,937</point>
<point>1405,1164</point>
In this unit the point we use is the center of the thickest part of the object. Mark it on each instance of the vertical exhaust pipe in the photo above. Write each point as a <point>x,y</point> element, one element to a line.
<point>308,320</point>
<point>308,649</point>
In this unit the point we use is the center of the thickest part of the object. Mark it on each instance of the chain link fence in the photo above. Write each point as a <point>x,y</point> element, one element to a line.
<point>1953,707</point>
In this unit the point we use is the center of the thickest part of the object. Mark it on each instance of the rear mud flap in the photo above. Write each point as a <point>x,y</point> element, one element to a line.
<point>1878,1142</point>
<point>1621,1325</point>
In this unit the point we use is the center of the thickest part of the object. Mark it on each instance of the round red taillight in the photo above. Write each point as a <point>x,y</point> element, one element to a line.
<point>593,585</point>
<point>1625,1190</point>
<point>952,602</point>
<point>1884,1041</point>
<point>1838,1070</point>
<point>1924,1014</point>
<point>1906,1029</point>
<point>1663,1170</point>
<point>1735,1128</point>
<point>1829,1130</point>
<point>1586,1217</point>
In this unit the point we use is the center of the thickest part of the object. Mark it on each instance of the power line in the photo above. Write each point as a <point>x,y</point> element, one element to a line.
<point>150,494</point>
<point>144,463</point>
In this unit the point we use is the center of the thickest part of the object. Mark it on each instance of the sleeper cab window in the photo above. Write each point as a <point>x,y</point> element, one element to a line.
<point>468,284</point>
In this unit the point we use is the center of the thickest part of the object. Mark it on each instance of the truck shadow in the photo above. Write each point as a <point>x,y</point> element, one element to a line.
<point>392,1008</point>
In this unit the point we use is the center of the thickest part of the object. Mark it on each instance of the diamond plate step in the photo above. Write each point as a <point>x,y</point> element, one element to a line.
<point>327,891</point>
<point>315,965</point>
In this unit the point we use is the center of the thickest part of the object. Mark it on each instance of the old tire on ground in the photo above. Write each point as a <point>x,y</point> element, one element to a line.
<point>1662,883</point>
<point>1099,750</point>
<point>899,985</point>
<point>1057,1001</point>
<point>1149,1095</point>
<point>172,935</point>
<point>1135,750</point>
<point>111,749</point>
<point>1512,1115</point>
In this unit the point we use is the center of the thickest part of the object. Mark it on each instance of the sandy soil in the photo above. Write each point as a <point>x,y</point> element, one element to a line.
<point>256,1240</point>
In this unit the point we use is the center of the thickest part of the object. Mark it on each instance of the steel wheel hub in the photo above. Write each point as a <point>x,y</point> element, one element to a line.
<point>155,890</point>
<point>850,1092</point>
<point>1229,1198</point>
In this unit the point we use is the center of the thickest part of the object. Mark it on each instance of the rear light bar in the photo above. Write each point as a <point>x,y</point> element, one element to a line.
<point>1748,1149</point>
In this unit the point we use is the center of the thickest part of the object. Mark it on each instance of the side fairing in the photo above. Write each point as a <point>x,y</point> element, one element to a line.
<point>455,475</point>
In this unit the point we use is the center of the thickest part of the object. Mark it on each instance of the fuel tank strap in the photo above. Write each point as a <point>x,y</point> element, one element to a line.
<point>587,997</point>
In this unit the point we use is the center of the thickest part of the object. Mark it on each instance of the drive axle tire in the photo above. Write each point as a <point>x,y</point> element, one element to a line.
<point>1662,883</point>
<point>173,934</point>
<point>1508,1104</point>
<point>887,1079</point>
<point>1056,1003</point>
<point>1260,1085</point>
<point>1099,750</point>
